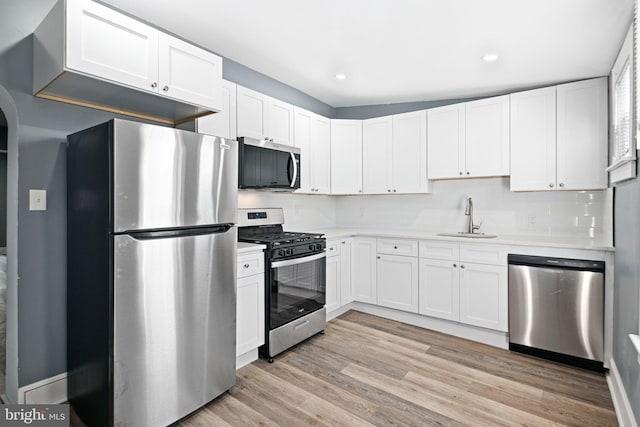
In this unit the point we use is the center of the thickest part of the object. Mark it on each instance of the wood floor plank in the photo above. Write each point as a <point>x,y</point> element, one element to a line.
<point>368,370</point>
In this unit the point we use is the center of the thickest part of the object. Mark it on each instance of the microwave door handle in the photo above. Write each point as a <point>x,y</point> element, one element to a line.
<point>295,261</point>
<point>295,170</point>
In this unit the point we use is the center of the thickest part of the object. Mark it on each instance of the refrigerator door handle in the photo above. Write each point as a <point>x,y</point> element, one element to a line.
<point>165,234</point>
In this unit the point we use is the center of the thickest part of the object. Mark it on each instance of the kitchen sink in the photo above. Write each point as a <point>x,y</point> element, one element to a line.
<point>469,235</point>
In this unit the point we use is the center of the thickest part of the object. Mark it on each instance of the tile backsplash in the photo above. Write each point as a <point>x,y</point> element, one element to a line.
<point>570,213</point>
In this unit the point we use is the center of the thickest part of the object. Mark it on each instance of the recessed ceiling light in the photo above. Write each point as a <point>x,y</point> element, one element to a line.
<point>341,76</point>
<point>490,57</point>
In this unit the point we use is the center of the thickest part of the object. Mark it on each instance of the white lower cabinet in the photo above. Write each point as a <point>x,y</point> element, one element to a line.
<point>364,267</point>
<point>439,289</point>
<point>465,283</point>
<point>250,302</point>
<point>339,277</point>
<point>484,296</point>
<point>398,282</point>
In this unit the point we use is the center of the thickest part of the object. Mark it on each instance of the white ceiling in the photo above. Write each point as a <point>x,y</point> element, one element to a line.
<point>391,50</point>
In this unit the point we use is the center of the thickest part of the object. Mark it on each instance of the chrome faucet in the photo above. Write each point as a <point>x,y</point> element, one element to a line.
<point>468,210</point>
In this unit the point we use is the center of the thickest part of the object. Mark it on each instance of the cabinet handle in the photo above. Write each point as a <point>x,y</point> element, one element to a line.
<point>330,249</point>
<point>378,257</point>
<point>460,173</point>
<point>166,88</point>
<point>454,265</point>
<point>359,191</point>
<point>388,191</point>
<point>467,172</point>
<point>561,184</point>
<point>154,85</point>
<point>550,185</point>
<point>394,191</point>
<point>395,247</point>
<point>246,266</point>
<point>343,242</point>
<point>461,266</point>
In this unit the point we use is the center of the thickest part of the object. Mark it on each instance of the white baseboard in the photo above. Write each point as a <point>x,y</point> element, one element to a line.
<point>473,333</point>
<point>246,358</point>
<point>624,412</point>
<point>335,313</point>
<point>48,391</point>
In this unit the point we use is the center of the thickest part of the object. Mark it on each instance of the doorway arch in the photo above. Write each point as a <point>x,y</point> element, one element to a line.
<point>8,108</point>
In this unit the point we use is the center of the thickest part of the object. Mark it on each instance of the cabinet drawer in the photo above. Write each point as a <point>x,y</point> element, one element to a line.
<point>397,247</point>
<point>333,247</point>
<point>439,250</point>
<point>250,263</point>
<point>484,254</point>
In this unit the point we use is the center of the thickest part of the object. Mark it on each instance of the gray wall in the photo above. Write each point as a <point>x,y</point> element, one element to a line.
<point>3,187</point>
<point>43,126</point>
<point>627,287</point>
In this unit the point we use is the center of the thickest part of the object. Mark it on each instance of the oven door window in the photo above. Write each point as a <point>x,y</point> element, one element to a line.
<point>296,290</point>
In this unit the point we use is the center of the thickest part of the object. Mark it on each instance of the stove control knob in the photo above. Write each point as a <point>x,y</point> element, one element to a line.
<point>289,251</point>
<point>318,246</point>
<point>280,252</point>
<point>312,247</point>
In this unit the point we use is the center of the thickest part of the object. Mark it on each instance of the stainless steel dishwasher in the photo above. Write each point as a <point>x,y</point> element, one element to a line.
<point>556,309</point>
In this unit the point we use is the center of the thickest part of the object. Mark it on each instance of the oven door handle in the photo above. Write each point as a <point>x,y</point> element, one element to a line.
<point>296,261</point>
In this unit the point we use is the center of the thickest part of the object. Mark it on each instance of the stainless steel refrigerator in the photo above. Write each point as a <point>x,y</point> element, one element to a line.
<point>151,272</point>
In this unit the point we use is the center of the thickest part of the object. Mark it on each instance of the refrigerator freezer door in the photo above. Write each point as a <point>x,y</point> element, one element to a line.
<point>174,325</point>
<point>166,178</point>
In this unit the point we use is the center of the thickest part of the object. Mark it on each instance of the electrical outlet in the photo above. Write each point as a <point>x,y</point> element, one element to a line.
<point>531,221</point>
<point>37,200</point>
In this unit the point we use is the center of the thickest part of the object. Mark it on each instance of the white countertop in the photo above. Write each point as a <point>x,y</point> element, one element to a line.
<point>502,239</point>
<point>250,247</point>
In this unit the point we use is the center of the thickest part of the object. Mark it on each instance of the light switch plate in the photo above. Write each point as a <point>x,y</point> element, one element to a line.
<point>37,200</point>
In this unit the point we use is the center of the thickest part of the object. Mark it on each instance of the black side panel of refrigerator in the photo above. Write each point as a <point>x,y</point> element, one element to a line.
<point>89,275</point>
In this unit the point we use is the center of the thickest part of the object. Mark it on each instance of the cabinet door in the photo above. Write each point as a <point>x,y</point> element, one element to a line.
<point>346,156</point>
<point>398,282</point>
<point>333,283</point>
<point>251,115</point>
<point>409,153</point>
<point>302,120</point>
<point>364,270</point>
<point>445,141</point>
<point>109,45</point>
<point>533,140</point>
<point>346,276</point>
<point>377,137</point>
<point>440,289</point>
<point>321,154</point>
<point>223,123</point>
<point>250,313</point>
<point>487,137</point>
<point>280,122</point>
<point>582,135</point>
<point>483,296</point>
<point>188,73</point>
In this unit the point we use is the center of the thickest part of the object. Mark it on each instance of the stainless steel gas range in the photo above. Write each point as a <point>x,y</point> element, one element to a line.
<point>295,279</point>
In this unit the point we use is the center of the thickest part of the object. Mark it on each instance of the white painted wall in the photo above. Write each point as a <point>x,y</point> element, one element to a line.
<point>301,212</point>
<point>572,213</point>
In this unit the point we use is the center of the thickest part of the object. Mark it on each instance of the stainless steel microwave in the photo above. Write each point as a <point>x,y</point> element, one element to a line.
<point>263,164</point>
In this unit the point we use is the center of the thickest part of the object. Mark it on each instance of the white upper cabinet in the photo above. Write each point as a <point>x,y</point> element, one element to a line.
<point>263,117</point>
<point>223,123</point>
<point>559,137</point>
<point>469,140</point>
<point>280,122</point>
<point>445,141</point>
<point>582,135</point>
<point>96,40</point>
<point>187,72</point>
<point>533,139</point>
<point>312,136</point>
<point>88,54</point>
<point>409,153</point>
<point>321,154</point>
<point>487,137</point>
<point>377,141</point>
<point>251,114</point>
<point>346,156</point>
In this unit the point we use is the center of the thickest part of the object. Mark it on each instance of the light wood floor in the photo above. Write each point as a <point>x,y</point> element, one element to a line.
<point>371,371</point>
